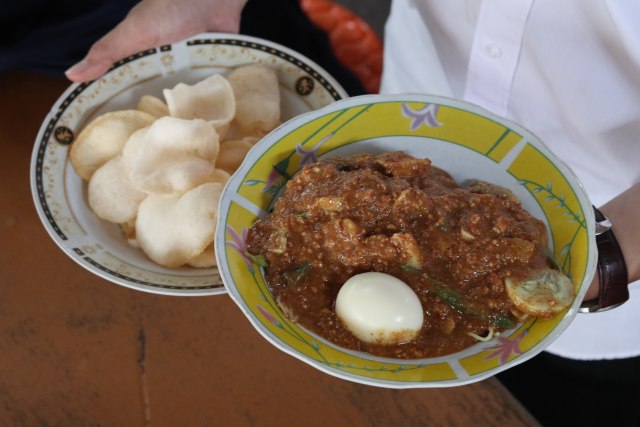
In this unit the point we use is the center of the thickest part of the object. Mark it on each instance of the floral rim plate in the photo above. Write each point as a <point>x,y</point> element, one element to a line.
<point>465,140</point>
<point>60,194</point>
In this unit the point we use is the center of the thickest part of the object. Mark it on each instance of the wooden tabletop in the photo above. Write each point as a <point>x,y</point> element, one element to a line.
<point>76,350</point>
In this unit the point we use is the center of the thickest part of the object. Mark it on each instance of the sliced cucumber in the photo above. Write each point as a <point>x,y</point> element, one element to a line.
<point>543,294</point>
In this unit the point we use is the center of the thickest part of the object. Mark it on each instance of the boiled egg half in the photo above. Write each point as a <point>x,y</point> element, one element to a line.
<point>379,308</point>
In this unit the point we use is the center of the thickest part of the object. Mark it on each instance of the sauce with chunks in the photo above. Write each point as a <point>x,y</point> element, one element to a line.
<point>399,215</point>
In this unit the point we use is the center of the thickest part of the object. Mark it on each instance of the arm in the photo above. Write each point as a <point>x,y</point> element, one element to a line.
<point>152,23</point>
<point>624,213</point>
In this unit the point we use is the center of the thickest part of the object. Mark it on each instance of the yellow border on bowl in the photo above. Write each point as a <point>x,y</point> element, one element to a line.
<point>311,136</point>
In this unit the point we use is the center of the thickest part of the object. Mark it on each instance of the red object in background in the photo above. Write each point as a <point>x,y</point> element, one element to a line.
<point>354,42</point>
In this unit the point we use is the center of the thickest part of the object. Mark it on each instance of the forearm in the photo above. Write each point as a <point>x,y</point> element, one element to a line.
<point>624,213</point>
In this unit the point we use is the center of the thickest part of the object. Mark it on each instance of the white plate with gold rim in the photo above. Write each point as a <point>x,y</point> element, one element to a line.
<point>59,193</point>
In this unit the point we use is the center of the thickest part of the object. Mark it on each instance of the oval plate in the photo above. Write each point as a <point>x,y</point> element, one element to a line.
<point>60,195</point>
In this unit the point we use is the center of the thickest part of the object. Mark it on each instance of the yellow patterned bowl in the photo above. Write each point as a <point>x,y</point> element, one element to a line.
<point>463,139</point>
<point>60,195</point>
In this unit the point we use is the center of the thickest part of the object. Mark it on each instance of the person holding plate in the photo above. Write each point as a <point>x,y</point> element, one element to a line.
<point>567,71</point>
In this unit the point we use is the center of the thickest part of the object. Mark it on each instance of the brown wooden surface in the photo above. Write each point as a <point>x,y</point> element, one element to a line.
<point>76,350</point>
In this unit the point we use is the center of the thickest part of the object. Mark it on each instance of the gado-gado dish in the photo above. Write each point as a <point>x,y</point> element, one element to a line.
<point>158,170</point>
<point>471,262</point>
<point>461,221</point>
<point>152,138</point>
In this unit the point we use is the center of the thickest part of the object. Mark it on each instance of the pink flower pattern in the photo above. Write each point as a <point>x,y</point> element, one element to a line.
<point>238,243</point>
<point>273,177</point>
<point>507,347</point>
<point>310,156</point>
<point>269,316</point>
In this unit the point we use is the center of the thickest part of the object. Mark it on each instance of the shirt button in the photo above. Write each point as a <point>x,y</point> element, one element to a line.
<point>493,50</point>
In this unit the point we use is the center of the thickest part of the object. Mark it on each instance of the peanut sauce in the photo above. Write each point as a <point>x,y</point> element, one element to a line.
<point>399,215</point>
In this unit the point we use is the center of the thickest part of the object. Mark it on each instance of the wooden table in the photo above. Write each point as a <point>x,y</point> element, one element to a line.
<point>76,350</point>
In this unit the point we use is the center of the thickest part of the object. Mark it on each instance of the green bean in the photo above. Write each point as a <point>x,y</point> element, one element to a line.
<point>297,274</point>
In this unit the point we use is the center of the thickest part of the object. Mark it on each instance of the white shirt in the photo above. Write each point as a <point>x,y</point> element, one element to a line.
<point>567,70</point>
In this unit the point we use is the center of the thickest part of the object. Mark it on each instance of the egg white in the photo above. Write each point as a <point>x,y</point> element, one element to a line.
<point>379,308</point>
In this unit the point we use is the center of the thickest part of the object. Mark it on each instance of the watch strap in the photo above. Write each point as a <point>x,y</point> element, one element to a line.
<point>612,269</point>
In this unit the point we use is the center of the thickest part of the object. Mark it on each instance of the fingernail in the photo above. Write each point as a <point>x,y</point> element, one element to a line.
<point>78,68</point>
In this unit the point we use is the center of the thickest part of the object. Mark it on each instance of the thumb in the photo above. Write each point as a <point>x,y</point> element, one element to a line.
<point>100,57</point>
<point>119,43</point>
<point>127,38</point>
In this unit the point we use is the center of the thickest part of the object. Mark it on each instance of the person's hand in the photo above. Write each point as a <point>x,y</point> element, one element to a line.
<point>152,23</point>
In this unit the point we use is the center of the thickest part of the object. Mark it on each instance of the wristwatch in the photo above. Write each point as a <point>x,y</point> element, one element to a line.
<point>614,279</point>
